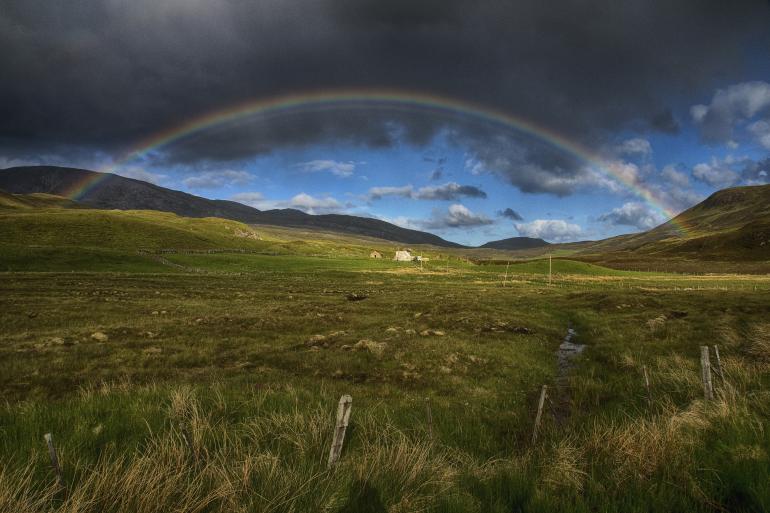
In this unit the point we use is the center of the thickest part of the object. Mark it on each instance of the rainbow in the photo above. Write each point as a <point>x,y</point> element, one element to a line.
<point>375,98</point>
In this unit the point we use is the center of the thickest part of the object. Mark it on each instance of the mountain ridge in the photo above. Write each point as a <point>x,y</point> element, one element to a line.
<point>122,193</point>
<point>514,243</point>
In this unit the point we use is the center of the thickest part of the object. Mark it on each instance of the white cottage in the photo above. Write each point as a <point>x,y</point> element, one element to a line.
<point>403,256</point>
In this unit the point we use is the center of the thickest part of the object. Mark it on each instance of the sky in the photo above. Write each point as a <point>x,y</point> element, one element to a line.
<point>476,120</point>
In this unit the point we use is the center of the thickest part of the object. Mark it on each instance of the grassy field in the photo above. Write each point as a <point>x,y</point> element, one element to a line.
<point>194,365</point>
<point>216,390</point>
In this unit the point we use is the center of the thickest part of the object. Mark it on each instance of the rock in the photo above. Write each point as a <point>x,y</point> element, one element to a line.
<point>410,332</point>
<point>56,341</point>
<point>246,235</point>
<point>356,297</point>
<point>376,348</point>
<point>346,347</point>
<point>445,370</point>
<point>152,350</point>
<point>391,330</point>
<point>438,333</point>
<point>154,312</point>
<point>656,323</point>
<point>501,326</point>
<point>428,333</point>
<point>316,340</point>
<point>99,336</point>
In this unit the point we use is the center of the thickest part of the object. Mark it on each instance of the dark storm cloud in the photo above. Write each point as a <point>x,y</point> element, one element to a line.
<point>447,192</point>
<point>103,74</point>
<point>510,214</point>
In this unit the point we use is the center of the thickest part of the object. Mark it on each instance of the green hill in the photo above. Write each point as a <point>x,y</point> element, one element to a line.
<point>38,234</point>
<point>110,191</point>
<point>729,231</point>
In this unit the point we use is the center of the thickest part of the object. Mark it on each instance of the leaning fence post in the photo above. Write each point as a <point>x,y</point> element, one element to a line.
<point>343,416</point>
<point>647,385</point>
<point>705,366</point>
<point>539,413</point>
<point>719,370</point>
<point>54,459</point>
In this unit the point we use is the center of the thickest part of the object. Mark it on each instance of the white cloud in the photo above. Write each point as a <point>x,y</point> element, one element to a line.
<point>634,214</point>
<point>405,191</point>
<point>313,205</point>
<point>730,107</point>
<point>343,169</point>
<point>761,132</point>
<point>456,216</point>
<point>672,175</point>
<point>717,172</point>
<point>555,230</point>
<point>302,201</point>
<point>635,146</point>
<point>217,179</point>
<point>474,166</point>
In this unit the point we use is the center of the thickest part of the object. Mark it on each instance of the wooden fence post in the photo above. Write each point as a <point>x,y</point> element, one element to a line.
<point>429,415</point>
<point>719,370</point>
<point>539,413</point>
<point>647,385</point>
<point>54,459</point>
<point>343,417</point>
<point>705,366</point>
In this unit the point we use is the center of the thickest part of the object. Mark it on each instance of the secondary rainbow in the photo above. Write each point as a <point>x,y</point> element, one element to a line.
<point>374,98</point>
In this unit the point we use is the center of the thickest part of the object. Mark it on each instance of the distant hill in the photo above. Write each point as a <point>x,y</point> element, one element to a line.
<point>730,225</point>
<point>118,192</point>
<point>516,243</point>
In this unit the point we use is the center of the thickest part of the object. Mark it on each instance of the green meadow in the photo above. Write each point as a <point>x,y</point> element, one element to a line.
<point>176,379</point>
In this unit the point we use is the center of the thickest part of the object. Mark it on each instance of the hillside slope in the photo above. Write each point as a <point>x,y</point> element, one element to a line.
<point>730,225</point>
<point>38,200</point>
<point>110,191</point>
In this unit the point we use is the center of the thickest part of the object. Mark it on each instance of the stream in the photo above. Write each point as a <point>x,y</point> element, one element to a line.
<point>565,360</point>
